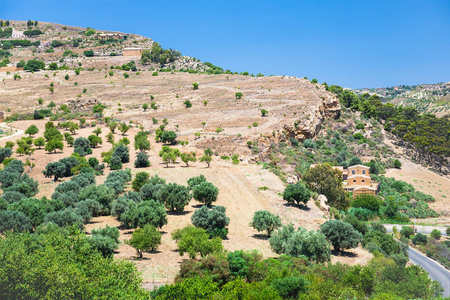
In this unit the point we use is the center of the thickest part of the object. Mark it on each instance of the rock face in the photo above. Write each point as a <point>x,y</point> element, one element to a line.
<point>323,203</point>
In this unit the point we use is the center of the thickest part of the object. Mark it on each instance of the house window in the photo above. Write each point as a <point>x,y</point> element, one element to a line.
<point>363,180</point>
<point>354,180</point>
<point>364,171</point>
<point>353,172</point>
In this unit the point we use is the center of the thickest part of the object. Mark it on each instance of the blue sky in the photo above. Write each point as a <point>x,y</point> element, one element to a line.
<point>349,43</point>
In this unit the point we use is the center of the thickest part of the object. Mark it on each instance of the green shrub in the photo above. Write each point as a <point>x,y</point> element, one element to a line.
<point>420,239</point>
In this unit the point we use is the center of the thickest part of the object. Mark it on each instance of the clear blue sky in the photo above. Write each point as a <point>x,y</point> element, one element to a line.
<point>349,43</point>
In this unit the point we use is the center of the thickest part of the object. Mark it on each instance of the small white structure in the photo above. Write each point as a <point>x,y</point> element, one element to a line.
<point>17,34</point>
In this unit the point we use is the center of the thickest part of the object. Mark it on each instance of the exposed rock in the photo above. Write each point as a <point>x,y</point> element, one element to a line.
<point>323,203</point>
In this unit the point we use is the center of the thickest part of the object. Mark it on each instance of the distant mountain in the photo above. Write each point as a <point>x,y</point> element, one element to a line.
<point>427,98</point>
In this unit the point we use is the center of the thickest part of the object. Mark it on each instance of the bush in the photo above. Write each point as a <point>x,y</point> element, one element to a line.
<point>174,196</point>
<point>296,193</point>
<point>312,245</point>
<point>214,220</point>
<point>146,212</point>
<point>193,181</point>
<point>100,193</point>
<point>265,221</point>
<point>123,153</point>
<point>88,53</point>
<point>140,179</point>
<point>64,218</point>
<point>420,239</point>
<point>309,143</point>
<point>146,239</point>
<point>115,163</point>
<point>205,193</point>
<point>82,146</point>
<point>407,232</point>
<point>195,240</point>
<point>15,221</point>
<point>104,244</point>
<point>142,160</point>
<point>290,287</point>
<point>436,234</point>
<point>168,137</point>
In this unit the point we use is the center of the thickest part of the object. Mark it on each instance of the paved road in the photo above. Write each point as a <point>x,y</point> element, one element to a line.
<point>418,228</point>
<point>435,270</point>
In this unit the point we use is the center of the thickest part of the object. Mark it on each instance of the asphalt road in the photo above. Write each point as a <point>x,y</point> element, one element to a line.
<point>418,228</point>
<point>435,270</point>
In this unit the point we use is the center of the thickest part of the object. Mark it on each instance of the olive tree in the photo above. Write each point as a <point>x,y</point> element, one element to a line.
<point>214,220</point>
<point>205,192</point>
<point>145,239</point>
<point>174,196</point>
<point>265,221</point>
<point>340,234</point>
<point>296,193</point>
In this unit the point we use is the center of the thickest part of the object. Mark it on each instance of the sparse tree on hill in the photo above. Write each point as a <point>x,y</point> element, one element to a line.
<point>206,159</point>
<point>205,192</point>
<point>145,106</point>
<point>296,193</point>
<point>124,128</point>
<point>340,234</point>
<point>146,239</point>
<point>39,142</point>
<point>265,221</point>
<point>188,157</point>
<point>97,131</point>
<point>142,160</point>
<point>32,130</point>
<point>112,126</point>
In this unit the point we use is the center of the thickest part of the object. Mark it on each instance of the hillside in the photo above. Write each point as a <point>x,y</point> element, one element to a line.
<point>93,137</point>
<point>427,98</point>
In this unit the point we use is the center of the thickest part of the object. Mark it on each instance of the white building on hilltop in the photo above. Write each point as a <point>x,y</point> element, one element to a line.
<point>17,34</point>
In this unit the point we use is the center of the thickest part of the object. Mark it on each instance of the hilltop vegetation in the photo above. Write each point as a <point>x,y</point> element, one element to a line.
<point>426,98</point>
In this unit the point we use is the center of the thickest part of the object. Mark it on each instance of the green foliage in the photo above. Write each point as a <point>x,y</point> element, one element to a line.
<point>55,265</point>
<point>327,181</point>
<point>187,104</point>
<point>174,196</point>
<point>238,95</point>
<point>82,146</point>
<point>214,220</point>
<point>340,234</point>
<point>140,179</point>
<point>146,212</point>
<point>145,239</point>
<point>301,243</point>
<point>205,192</point>
<point>100,193</point>
<point>263,220</point>
<point>296,193</point>
<point>142,160</point>
<point>195,241</point>
<point>407,232</point>
<point>88,53</point>
<point>420,239</point>
<point>34,65</point>
<point>15,221</point>
<point>188,157</point>
<point>168,137</point>
<point>435,234</point>
<point>123,153</point>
